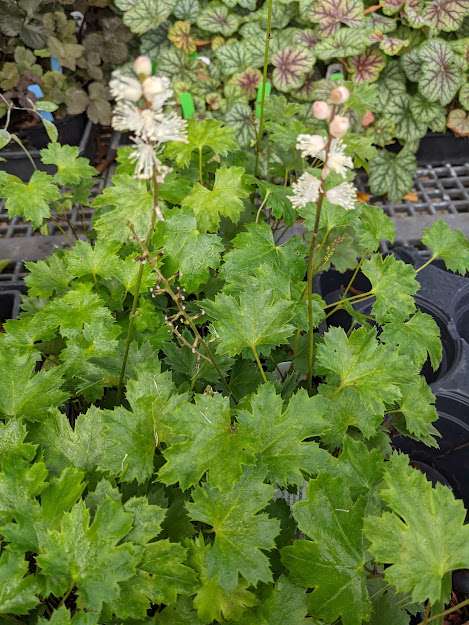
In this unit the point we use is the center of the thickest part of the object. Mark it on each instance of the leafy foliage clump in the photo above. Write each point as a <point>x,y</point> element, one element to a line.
<point>238,468</point>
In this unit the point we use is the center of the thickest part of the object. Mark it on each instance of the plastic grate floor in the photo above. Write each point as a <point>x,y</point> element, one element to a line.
<point>442,191</point>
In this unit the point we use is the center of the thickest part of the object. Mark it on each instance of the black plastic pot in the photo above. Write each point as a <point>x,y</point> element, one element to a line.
<point>439,147</point>
<point>450,463</point>
<point>73,130</point>
<point>9,305</point>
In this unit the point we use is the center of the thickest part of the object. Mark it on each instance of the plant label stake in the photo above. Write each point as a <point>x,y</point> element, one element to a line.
<point>187,103</point>
<point>38,93</point>
<point>55,65</point>
<point>268,89</point>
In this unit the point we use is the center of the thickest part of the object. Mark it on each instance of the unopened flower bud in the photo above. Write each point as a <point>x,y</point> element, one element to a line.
<point>142,66</point>
<point>339,95</point>
<point>321,110</point>
<point>339,126</point>
<point>367,119</point>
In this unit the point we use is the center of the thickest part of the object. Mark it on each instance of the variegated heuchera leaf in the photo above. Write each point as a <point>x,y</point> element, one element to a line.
<point>441,73</point>
<point>180,36</point>
<point>408,126</point>
<point>391,7</point>
<point>458,122</point>
<point>248,81</point>
<point>445,15</point>
<point>291,66</point>
<point>424,110</point>
<point>392,45</point>
<point>366,67</point>
<point>392,174</point>
<point>463,96</point>
<point>233,58</point>
<point>330,15</point>
<point>410,63</point>
<point>144,15</point>
<point>305,38</point>
<point>186,10</point>
<point>240,117</point>
<point>345,42</point>
<point>216,18</point>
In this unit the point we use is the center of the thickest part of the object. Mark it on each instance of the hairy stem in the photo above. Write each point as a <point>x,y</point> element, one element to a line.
<point>310,269</point>
<point>128,341</point>
<point>259,364</point>
<point>268,35</point>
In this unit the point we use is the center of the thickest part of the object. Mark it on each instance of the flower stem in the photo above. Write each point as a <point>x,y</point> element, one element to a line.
<point>259,365</point>
<point>268,35</point>
<point>138,285</point>
<point>356,299</point>
<point>310,269</point>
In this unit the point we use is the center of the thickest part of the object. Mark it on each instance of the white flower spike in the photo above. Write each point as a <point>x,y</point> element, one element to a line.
<point>310,145</point>
<point>305,190</point>
<point>337,160</point>
<point>344,195</point>
<point>125,87</point>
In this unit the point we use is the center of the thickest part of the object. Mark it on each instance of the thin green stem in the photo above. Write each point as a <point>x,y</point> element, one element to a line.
<point>264,202</point>
<point>455,608</point>
<point>352,279</point>
<point>259,365</point>
<point>138,285</point>
<point>264,82</point>
<point>22,146</point>
<point>356,299</point>
<point>428,262</point>
<point>201,167</point>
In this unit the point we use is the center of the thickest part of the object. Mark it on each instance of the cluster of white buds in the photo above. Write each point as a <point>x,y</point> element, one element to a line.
<point>331,151</point>
<point>139,110</point>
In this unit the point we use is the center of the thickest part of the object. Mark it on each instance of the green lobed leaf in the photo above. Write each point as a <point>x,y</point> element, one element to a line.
<point>18,590</point>
<point>330,15</point>
<point>31,200</point>
<point>394,285</point>
<point>420,518</point>
<point>334,522</point>
<point>72,169</point>
<point>238,325</point>
<point>144,15</point>
<point>190,252</point>
<point>224,200</point>
<point>210,134</point>
<point>242,532</point>
<point>450,245</point>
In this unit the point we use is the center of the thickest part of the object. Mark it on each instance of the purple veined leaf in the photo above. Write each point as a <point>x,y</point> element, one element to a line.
<point>390,7</point>
<point>413,10</point>
<point>216,18</point>
<point>446,15</point>
<point>458,122</point>
<point>331,14</point>
<point>410,63</point>
<point>393,45</point>
<point>248,81</point>
<point>306,38</point>
<point>366,67</point>
<point>441,71</point>
<point>291,66</point>
<point>381,23</point>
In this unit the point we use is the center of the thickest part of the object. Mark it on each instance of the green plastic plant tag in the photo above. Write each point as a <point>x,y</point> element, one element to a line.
<point>337,76</point>
<point>187,103</point>
<point>268,89</point>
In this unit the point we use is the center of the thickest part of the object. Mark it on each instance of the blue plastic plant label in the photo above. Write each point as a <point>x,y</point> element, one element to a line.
<point>37,92</point>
